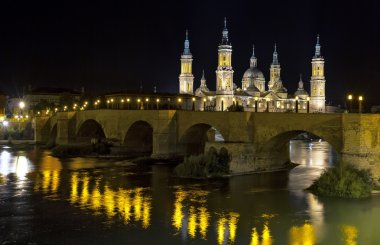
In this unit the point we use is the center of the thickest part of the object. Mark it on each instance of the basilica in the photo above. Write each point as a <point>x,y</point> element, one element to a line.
<point>255,93</point>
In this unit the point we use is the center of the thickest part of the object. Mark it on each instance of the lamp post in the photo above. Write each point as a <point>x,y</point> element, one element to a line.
<point>256,103</point>
<point>308,105</point>
<point>360,103</point>
<point>147,103</point>
<point>268,99</point>
<point>122,104</point>
<point>349,97</point>
<point>204,104</point>
<point>296,104</point>
<point>138,104</point>
<point>222,105</point>
<point>128,100</point>
<point>193,104</point>
<point>157,102</point>
<point>179,104</point>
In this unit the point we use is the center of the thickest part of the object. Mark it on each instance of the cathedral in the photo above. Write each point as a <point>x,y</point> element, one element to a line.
<point>254,94</point>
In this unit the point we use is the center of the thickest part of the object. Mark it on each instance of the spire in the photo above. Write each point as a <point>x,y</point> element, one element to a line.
<point>253,58</point>
<point>225,33</point>
<point>300,83</point>
<point>317,49</point>
<point>203,80</point>
<point>275,56</point>
<point>186,50</point>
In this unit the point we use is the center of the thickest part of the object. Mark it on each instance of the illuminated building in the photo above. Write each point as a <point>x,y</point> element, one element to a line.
<point>253,92</point>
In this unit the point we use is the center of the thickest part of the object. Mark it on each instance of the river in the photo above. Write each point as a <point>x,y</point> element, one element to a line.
<point>45,200</point>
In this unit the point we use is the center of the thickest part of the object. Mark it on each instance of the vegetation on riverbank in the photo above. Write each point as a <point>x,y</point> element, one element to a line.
<point>210,164</point>
<point>80,150</point>
<point>344,181</point>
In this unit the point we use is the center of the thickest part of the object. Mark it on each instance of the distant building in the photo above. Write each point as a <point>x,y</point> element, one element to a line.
<point>3,105</point>
<point>253,92</point>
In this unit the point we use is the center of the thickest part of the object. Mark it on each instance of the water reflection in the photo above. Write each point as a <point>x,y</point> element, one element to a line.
<point>350,234</point>
<point>240,210</point>
<point>130,204</point>
<point>302,235</point>
<point>194,216</point>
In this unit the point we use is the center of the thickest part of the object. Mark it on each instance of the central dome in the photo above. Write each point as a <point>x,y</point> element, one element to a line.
<point>253,72</point>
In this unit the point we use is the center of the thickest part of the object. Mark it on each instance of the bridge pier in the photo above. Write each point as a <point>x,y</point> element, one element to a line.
<point>361,142</point>
<point>245,158</point>
<point>41,127</point>
<point>165,135</point>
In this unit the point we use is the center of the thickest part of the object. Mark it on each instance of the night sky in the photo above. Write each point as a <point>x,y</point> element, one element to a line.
<point>107,46</point>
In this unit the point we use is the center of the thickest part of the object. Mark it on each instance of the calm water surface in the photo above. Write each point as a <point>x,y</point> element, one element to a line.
<point>44,200</point>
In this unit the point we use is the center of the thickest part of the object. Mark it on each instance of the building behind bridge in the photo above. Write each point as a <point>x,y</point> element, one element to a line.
<point>254,94</point>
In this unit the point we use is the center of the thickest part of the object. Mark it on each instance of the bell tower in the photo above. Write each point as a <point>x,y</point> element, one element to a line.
<point>186,78</point>
<point>224,72</point>
<point>317,82</point>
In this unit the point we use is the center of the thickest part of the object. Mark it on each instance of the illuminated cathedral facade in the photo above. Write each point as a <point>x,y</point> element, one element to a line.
<point>255,93</point>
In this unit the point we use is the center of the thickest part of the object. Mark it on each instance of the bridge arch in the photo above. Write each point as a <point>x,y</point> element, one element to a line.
<point>90,129</point>
<point>194,138</point>
<point>277,146</point>
<point>139,138</point>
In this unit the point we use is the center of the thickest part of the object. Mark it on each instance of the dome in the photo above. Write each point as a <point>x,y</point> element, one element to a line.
<point>301,92</point>
<point>252,89</point>
<point>253,72</point>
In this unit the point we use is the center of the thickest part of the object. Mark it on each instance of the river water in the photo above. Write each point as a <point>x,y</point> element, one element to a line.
<point>44,200</point>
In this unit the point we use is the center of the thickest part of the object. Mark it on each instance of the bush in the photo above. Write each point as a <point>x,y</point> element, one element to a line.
<point>344,181</point>
<point>205,165</point>
<point>235,108</point>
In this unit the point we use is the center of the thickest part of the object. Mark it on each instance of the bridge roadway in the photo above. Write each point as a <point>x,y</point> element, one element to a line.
<point>255,140</point>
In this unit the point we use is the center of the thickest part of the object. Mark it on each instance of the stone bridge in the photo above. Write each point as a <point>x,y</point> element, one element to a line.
<point>255,140</point>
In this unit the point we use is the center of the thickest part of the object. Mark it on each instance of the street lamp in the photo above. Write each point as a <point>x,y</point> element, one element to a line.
<point>349,97</point>
<point>296,104</point>
<point>256,102</point>
<point>222,104</point>
<point>204,104</point>
<point>158,101</point>
<point>122,103</point>
<point>360,103</point>
<point>147,103</point>
<point>138,104</point>
<point>128,100</point>
<point>179,103</point>
<point>193,99</point>
<point>308,104</point>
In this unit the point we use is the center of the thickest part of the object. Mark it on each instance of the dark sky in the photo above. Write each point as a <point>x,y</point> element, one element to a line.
<point>107,46</point>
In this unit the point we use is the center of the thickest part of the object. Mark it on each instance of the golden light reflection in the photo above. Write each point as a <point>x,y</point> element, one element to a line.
<point>137,204</point>
<point>192,223</point>
<point>177,214</point>
<point>221,229</point>
<point>254,237</point>
<point>46,176</point>
<point>232,224</point>
<point>74,188</point>
<point>84,197</point>
<point>302,235</point>
<point>109,201</point>
<point>55,181</point>
<point>266,236</point>
<point>350,234</point>
<point>198,216</point>
<point>204,217</point>
<point>96,198</point>
<point>146,214</point>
